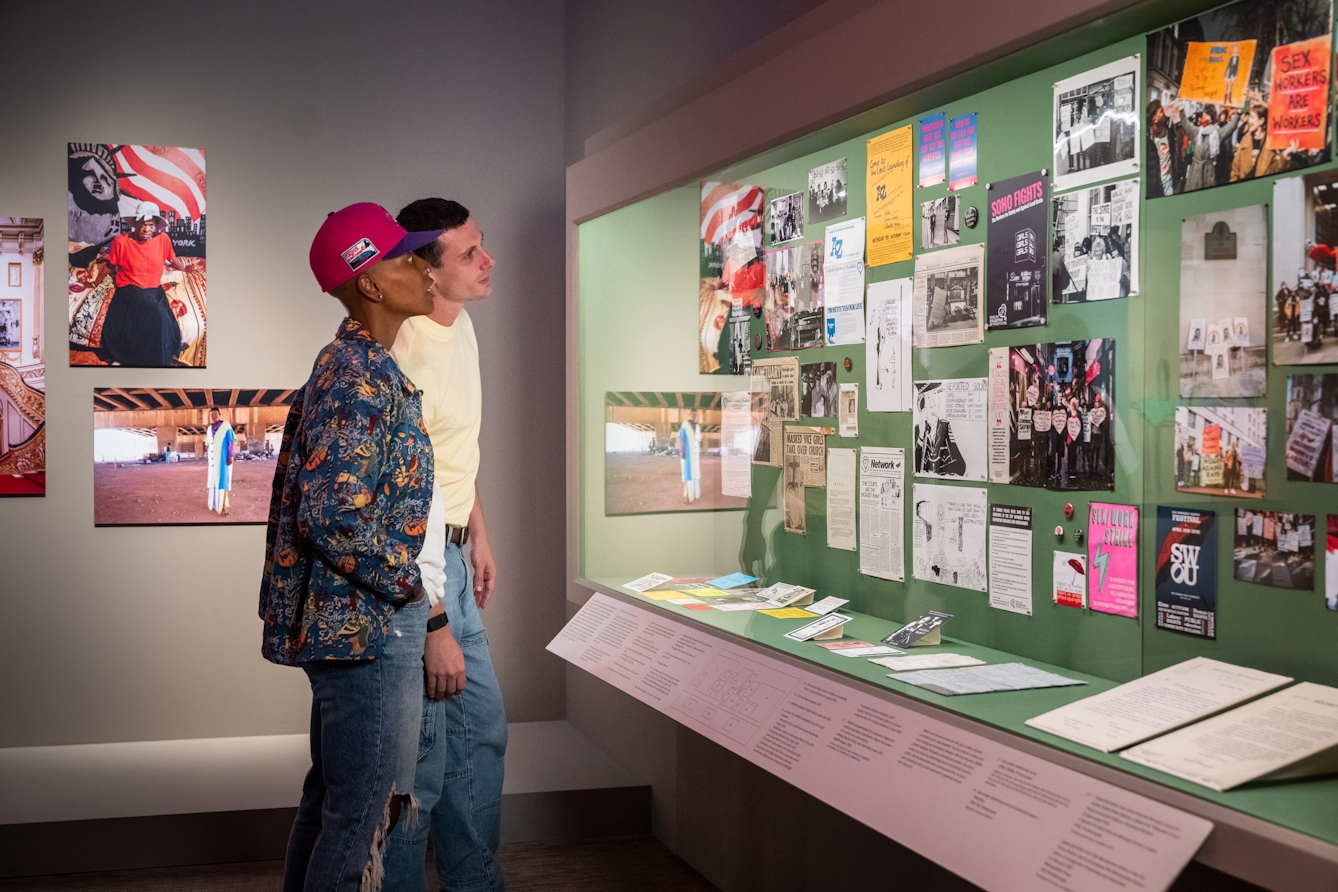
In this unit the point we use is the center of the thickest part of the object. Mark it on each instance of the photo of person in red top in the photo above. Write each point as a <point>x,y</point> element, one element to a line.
<point>140,329</point>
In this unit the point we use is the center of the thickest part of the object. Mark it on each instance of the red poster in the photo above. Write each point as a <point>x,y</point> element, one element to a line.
<point>1211,441</point>
<point>1299,100</point>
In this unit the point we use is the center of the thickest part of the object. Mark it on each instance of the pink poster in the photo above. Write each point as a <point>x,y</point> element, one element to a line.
<point>1112,559</point>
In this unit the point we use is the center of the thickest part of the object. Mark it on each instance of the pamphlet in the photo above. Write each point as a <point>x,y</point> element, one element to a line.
<point>921,631</point>
<point>1010,558</point>
<point>1070,579</point>
<point>827,605</point>
<point>841,499</point>
<point>984,679</point>
<point>927,661</point>
<point>787,613</point>
<point>882,500</point>
<point>647,582</point>
<point>828,626</point>
<point>857,648</point>
<point>733,580</point>
<point>782,594</point>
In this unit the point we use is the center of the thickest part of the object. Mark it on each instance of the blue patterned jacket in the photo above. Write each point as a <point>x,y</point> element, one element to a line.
<point>349,506</point>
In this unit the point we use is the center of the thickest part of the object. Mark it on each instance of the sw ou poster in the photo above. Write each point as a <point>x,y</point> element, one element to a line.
<point>1096,124</point>
<point>1275,548</point>
<point>947,297</point>
<point>949,538</point>
<point>1186,571</point>
<point>1223,275</point>
<point>795,297</point>
<point>1018,249</point>
<point>1055,427</point>
<point>1312,412</point>
<point>1237,93</point>
<point>1096,243</point>
<point>129,206</point>
<point>949,428</point>
<point>731,268</point>
<point>1221,451</point>
<point>1305,236</point>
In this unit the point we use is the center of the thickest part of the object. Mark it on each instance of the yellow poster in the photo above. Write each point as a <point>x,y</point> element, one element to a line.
<point>889,198</point>
<point>1217,72</point>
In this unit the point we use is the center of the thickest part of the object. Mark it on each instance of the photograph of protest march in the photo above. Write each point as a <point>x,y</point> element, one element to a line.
<point>1221,451</point>
<point>1312,413</point>
<point>1096,124</point>
<point>794,297</point>
<point>946,310</point>
<point>22,358</point>
<point>1305,246</point>
<point>939,222</point>
<point>731,268</point>
<point>786,219</point>
<point>1017,273</point>
<point>662,453</point>
<point>1061,415</point>
<point>827,192</point>
<point>1275,548</point>
<point>1095,243</point>
<point>1223,274</point>
<point>817,382</point>
<point>175,455</point>
<point>1240,92</point>
<point>136,256</point>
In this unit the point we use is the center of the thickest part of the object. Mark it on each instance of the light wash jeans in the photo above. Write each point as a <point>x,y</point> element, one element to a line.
<point>460,753</point>
<point>363,724</point>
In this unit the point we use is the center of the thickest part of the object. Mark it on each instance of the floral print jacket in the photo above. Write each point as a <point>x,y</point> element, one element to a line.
<point>349,506</point>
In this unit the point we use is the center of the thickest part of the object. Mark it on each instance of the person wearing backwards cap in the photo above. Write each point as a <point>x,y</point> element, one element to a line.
<point>140,329</point>
<point>341,595</point>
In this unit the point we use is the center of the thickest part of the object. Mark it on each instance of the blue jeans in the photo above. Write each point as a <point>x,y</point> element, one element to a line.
<point>460,752</point>
<point>363,724</point>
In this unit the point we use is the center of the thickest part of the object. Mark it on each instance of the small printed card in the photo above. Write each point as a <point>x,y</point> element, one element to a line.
<point>918,632</point>
<point>647,582</point>
<point>823,628</point>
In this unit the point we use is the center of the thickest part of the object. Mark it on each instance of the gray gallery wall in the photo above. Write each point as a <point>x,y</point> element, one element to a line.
<point>144,633</point>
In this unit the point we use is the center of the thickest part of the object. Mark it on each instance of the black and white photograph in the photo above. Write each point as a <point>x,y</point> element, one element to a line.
<point>818,390</point>
<point>827,192</point>
<point>939,223</point>
<point>786,220</point>
<point>11,325</point>
<point>1095,243</point>
<point>1275,548</point>
<point>1312,412</point>
<point>950,428</point>
<point>1305,245</point>
<point>946,309</point>
<point>1096,124</point>
<point>795,297</point>
<point>1018,270</point>
<point>740,340</point>
<point>1223,275</point>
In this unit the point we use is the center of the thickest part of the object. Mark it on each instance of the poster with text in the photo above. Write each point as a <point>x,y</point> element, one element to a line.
<point>1052,415</point>
<point>949,428</point>
<point>962,148</point>
<point>888,195</point>
<point>174,456</point>
<point>136,255</point>
<point>1312,412</point>
<point>22,358</point>
<point>843,282</point>
<point>939,226</point>
<point>1275,548</point>
<point>794,297</point>
<point>1186,580</point>
<point>1010,558</point>
<point>947,310</point>
<point>1096,243</point>
<point>785,221</point>
<point>1223,275</point>
<point>731,266</point>
<point>887,346</point>
<point>1096,124</point>
<point>1239,92</point>
<point>1016,242</point>
<point>776,383</point>
<point>827,192</point>
<point>1305,246</point>
<point>1221,451</point>
<point>1069,577</point>
<point>949,536</point>
<point>1112,558</point>
<point>933,150</point>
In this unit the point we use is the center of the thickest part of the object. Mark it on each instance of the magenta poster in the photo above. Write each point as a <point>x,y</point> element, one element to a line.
<point>1112,559</point>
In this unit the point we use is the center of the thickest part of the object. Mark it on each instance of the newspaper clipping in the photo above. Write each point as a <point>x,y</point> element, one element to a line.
<point>882,499</point>
<point>782,404</point>
<point>947,297</point>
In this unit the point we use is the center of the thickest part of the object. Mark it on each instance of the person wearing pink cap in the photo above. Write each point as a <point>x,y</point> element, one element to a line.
<point>341,594</point>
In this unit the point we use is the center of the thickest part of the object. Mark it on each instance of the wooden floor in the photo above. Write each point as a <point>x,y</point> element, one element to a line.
<point>637,863</point>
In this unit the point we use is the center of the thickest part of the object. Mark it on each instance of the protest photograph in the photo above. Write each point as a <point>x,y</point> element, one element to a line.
<point>794,297</point>
<point>939,222</point>
<point>185,455</point>
<point>1096,124</point>
<point>1095,243</point>
<point>1223,276</point>
<point>1275,548</point>
<point>136,218</point>
<point>818,390</point>
<point>1221,450</point>
<point>662,453</point>
<point>1305,245</point>
<point>1312,412</point>
<point>1236,93</point>
<point>827,192</point>
<point>786,219</point>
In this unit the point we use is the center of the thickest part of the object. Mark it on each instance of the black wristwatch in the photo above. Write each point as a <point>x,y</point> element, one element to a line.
<point>437,622</point>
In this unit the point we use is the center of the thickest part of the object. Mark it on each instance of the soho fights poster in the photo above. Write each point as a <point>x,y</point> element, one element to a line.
<point>1017,272</point>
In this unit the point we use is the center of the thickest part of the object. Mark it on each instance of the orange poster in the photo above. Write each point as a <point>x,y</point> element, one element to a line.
<point>888,190</point>
<point>1299,103</point>
<point>1211,442</point>
<point>1217,72</point>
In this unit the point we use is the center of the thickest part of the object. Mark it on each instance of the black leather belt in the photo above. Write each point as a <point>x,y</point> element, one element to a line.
<point>457,535</point>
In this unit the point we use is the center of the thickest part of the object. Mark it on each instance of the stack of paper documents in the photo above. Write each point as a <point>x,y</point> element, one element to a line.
<point>984,679</point>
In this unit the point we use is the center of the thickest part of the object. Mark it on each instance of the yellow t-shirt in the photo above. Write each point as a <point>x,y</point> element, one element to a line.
<point>443,362</point>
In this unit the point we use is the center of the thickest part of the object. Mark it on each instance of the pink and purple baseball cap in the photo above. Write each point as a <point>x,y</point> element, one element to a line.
<point>352,239</point>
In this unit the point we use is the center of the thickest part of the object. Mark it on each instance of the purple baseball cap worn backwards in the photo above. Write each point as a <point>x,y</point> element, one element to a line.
<point>352,239</point>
